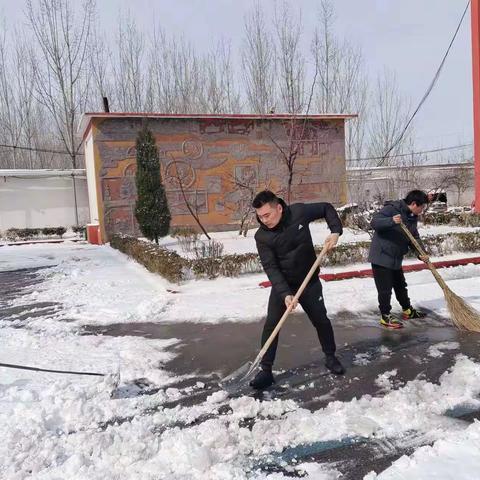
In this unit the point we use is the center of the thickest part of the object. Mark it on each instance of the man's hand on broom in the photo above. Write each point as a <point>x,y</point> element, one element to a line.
<point>424,258</point>
<point>331,241</point>
<point>289,301</point>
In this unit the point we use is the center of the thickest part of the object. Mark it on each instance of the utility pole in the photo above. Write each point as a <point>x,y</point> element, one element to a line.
<point>475,17</point>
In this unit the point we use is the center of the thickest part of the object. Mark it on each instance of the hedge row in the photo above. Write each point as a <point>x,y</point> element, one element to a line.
<point>450,218</point>
<point>175,268</point>
<point>13,234</point>
<point>28,233</point>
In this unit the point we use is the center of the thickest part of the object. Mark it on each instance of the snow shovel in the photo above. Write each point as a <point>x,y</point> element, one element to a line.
<point>233,381</point>
<point>464,316</point>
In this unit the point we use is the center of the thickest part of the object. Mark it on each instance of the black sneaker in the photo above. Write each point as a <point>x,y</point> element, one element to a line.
<point>263,379</point>
<point>334,365</point>
<point>410,313</point>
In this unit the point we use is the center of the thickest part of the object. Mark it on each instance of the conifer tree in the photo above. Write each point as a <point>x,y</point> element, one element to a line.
<point>151,209</point>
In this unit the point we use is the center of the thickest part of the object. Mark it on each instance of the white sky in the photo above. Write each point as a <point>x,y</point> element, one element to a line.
<point>407,36</point>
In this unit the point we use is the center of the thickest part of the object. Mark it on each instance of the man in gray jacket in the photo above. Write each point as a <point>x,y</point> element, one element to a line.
<point>389,245</point>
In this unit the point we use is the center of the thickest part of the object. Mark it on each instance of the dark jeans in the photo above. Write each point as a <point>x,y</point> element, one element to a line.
<point>312,302</point>
<point>385,280</point>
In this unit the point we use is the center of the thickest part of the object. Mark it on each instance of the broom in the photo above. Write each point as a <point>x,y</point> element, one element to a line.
<point>464,316</point>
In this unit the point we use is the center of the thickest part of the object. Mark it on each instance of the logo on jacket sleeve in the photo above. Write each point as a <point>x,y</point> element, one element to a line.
<point>300,226</point>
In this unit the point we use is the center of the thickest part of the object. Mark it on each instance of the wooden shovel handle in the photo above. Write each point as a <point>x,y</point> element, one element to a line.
<point>262,352</point>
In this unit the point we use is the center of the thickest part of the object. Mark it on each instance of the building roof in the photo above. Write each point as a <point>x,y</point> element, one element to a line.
<point>46,172</point>
<point>87,117</point>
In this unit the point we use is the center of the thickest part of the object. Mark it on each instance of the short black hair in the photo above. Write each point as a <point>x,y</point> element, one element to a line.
<point>264,197</point>
<point>417,196</point>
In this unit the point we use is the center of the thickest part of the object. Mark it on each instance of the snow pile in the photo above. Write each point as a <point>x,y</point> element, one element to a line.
<point>69,430</point>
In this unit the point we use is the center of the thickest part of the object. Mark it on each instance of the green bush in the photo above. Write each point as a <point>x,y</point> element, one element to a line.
<point>21,233</point>
<point>49,231</point>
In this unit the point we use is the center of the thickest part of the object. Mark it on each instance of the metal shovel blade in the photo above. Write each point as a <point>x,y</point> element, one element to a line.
<point>237,379</point>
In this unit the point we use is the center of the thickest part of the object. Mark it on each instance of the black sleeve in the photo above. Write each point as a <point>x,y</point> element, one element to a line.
<point>315,211</point>
<point>383,220</point>
<point>270,265</point>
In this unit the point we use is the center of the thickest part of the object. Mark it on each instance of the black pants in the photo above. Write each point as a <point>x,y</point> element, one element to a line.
<point>385,280</point>
<point>312,302</point>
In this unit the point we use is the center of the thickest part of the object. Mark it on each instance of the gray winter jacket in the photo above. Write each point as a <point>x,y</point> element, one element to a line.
<point>389,243</point>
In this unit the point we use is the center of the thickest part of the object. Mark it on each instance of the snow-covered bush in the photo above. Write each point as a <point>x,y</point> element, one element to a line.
<point>154,258</point>
<point>16,234</point>
<point>452,218</point>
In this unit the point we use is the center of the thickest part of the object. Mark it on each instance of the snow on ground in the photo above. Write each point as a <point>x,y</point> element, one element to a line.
<point>124,292</point>
<point>69,427</point>
<point>234,243</point>
<point>456,456</point>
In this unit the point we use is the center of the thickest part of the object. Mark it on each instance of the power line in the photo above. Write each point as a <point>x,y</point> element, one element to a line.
<point>453,147</point>
<point>41,150</point>
<point>429,89</point>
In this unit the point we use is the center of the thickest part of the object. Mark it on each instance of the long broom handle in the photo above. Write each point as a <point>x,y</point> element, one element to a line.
<point>421,252</point>
<point>289,309</point>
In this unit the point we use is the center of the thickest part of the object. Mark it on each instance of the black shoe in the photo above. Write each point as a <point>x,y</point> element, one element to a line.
<point>263,379</point>
<point>334,365</point>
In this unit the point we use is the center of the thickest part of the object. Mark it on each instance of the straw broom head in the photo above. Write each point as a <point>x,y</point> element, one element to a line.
<point>463,315</point>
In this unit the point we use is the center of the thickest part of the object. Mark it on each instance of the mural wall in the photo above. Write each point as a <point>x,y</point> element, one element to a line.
<point>217,164</point>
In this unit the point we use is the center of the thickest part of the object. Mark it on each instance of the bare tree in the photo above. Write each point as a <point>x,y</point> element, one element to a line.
<point>179,177</point>
<point>297,130</point>
<point>101,69</point>
<point>10,121</point>
<point>160,73</point>
<point>389,115</point>
<point>290,60</point>
<point>258,62</point>
<point>459,178</point>
<point>61,75</point>
<point>128,70</point>
<point>245,190</point>
<point>342,85</point>
<point>187,78</point>
<point>22,118</point>
<point>218,94</point>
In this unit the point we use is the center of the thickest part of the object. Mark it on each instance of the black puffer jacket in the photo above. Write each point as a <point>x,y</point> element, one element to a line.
<point>389,243</point>
<point>286,251</point>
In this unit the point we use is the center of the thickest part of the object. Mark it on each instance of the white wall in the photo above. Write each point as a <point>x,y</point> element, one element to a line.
<point>365,185</point>
<point>92,179</point>
<point>37,202</point>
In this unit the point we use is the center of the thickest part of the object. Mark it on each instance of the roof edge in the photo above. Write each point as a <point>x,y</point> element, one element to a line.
<point>88,116</point>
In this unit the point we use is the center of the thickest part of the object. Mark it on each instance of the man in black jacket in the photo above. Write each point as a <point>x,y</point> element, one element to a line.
<point>286,251</point>
<point>389,245</point>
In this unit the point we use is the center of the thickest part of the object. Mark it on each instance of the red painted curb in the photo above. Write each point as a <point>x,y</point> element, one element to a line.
<point>329,277</point>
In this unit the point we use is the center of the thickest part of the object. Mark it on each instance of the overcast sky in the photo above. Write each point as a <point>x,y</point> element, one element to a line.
<point>406,36</point>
